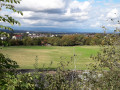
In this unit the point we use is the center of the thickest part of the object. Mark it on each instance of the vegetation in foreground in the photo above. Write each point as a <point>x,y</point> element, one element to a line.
<point>96,79</point>
<point>25,56</point>
<point>64,79</point>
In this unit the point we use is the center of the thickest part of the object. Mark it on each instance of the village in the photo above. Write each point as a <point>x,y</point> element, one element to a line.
<point>20,36</point>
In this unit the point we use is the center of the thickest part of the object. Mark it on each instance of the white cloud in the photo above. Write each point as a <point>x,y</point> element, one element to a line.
<point>79,5</point>
<point>78,10</point>
<point>114,25</point>
<point>84,17</point>
<point>26,14</point>
<point>30,21</point>
<point>113,14</point>
<point>37,12</point>
<point>37,5</point>
<point>97,24</point>
<point>65,13</point>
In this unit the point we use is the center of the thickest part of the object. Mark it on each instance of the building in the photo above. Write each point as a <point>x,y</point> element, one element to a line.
<point>17,37</point>
<point>3,37</point>
<point>37,35</point>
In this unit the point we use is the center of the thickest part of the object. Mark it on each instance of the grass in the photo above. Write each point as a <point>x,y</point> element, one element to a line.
<point>26,55</point>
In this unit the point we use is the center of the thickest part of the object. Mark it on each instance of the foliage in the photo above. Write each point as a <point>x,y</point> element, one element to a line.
<point>7,68</point>
<point>13,42</point>
<point>65,40</point>
<point>105,75</point>
<point>8,4</point>
<point>60,80</point>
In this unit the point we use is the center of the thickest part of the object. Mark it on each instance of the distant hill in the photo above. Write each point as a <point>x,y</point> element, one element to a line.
<point>52,31</point>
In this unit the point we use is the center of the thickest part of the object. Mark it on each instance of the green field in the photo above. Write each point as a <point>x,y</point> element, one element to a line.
<point>26,55</point>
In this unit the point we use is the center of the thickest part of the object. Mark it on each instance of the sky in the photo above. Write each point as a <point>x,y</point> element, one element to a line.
<point>66,15</point>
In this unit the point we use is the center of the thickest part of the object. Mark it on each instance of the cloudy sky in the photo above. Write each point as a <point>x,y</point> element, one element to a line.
<point>69,15</point>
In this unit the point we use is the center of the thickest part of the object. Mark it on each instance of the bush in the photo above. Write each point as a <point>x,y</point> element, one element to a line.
<point>7,68</point>
<point>105,74</point>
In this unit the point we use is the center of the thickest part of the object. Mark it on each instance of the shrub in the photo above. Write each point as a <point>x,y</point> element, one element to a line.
<point>105,75</point>
<point>7,68</point>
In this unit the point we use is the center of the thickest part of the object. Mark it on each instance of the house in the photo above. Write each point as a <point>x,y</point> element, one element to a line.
<point>52,35</point>
<point>3,37</point>
<point>17,37</point>
<point>37,35</point>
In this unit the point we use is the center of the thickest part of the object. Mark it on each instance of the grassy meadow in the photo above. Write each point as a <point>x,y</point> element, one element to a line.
<point>25,55</point>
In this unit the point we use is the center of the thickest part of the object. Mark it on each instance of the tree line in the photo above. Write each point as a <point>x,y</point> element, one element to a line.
<point>65,40</point>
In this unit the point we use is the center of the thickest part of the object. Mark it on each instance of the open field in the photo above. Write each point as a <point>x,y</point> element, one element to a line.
<point>26,55</point>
